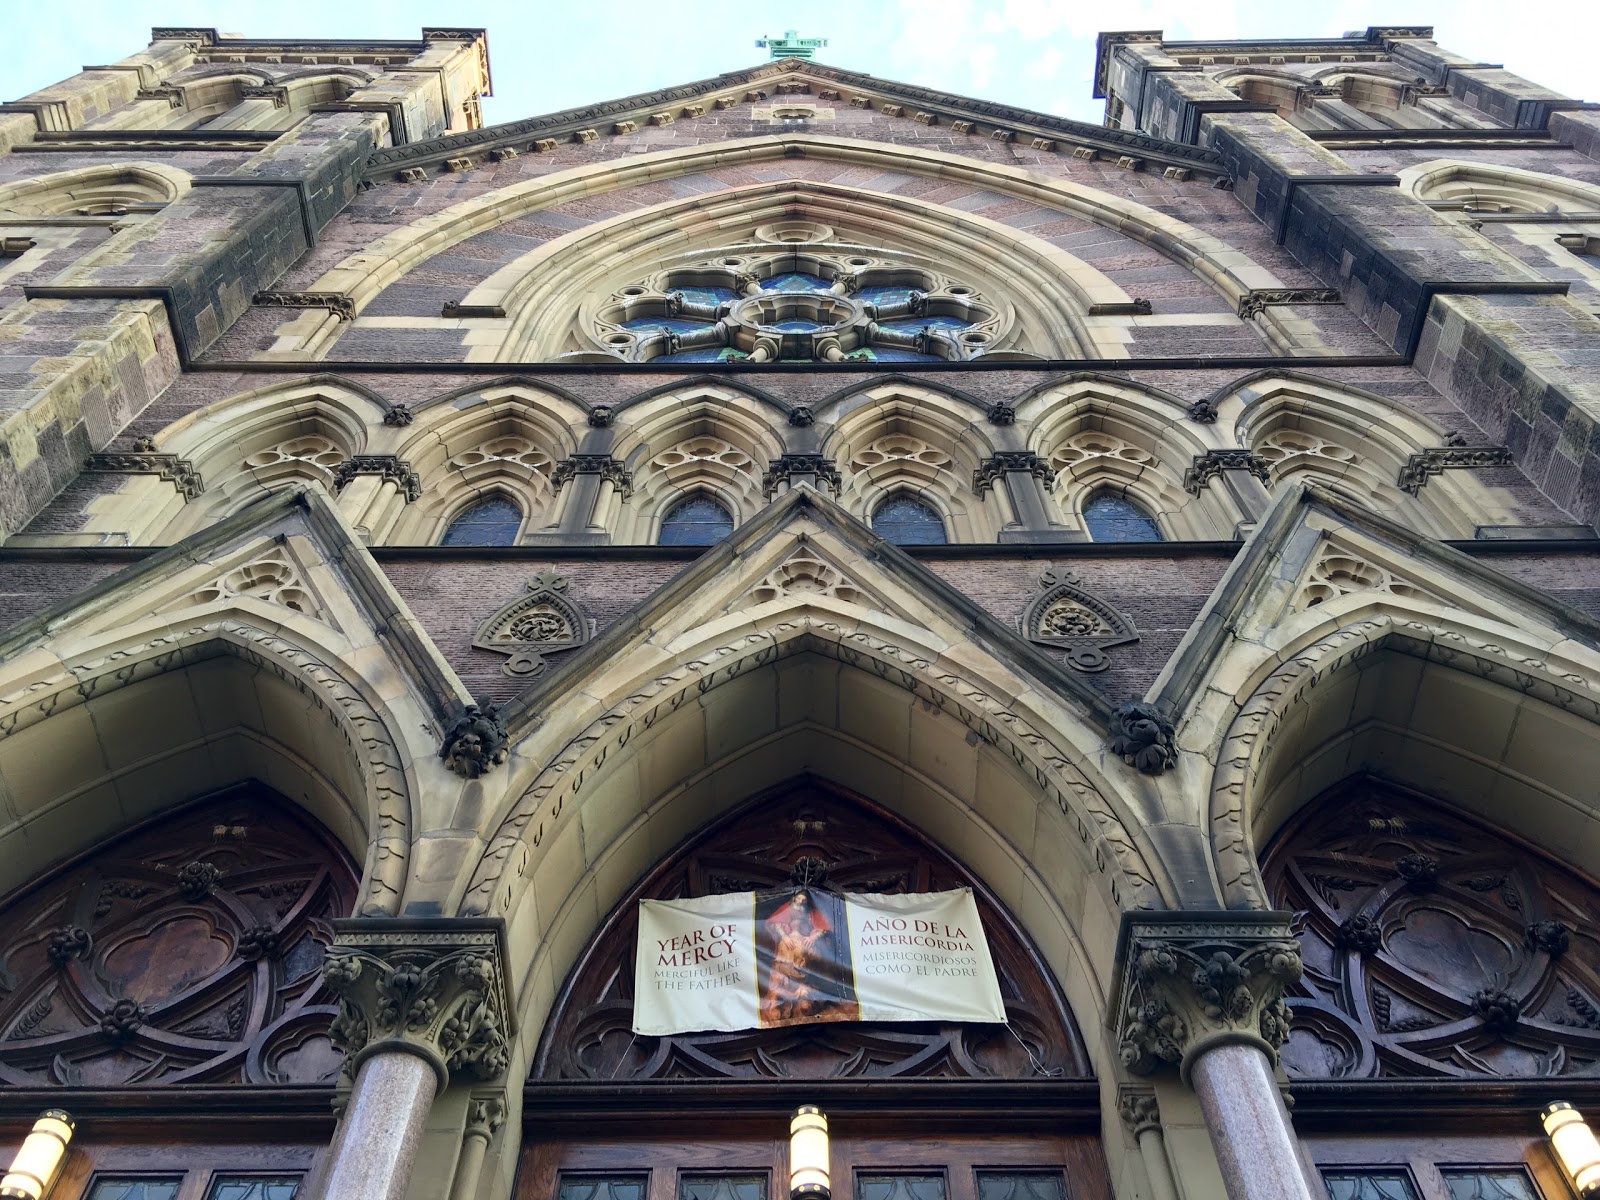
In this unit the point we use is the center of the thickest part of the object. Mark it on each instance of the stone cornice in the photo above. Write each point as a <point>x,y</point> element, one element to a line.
<point>562,125</point>
<point>180,472</point>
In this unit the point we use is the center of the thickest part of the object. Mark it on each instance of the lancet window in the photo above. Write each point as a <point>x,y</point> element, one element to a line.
<point>696,520</point>
<point>1109,517</point>
<point>494,521</point>
<point>907,521</point>
<point>827,302</point>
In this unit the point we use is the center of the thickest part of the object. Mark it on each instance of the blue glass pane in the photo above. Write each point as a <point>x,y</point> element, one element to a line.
<point>896,354</point>
<point>909,522</point>
<point>795,281</point>
<point>708,295</point>
<point>487,523</point>
<point>883,295</point>
<point>925,322</point>
<point>796,326</point>
<point>1110,518</point>
<point>676,324</point>
<point>254,1187</point>
<point>697,521</point>
<point>127,1188</point>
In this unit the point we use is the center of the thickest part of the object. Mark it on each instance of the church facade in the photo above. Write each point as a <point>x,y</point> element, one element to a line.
<point>423,541</point>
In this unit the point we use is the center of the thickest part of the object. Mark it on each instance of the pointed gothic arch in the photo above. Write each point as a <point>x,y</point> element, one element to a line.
<point>184,950</point>
<point>1438,944</point>
<point>846,843</point>
<point>365,274</point>
<point>1448,182</point>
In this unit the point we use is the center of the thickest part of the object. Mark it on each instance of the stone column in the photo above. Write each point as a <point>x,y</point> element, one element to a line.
<point>484,1118</point>
<point>1204,992</point>
<point>1026,478</point>
<point>593,482</point>
<point>420,1002</point>
<point>1142,1115</point>
<point>790,471</point>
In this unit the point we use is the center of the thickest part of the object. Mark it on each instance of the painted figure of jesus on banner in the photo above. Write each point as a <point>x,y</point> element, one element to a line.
<point>803,959</point>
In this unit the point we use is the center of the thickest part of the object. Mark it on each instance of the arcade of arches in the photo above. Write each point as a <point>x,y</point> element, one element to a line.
<point>1179,531</point>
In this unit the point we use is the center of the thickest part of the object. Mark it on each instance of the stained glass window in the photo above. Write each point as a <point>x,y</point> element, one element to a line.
<point>1388,1184</point>
<point>722,1187</point>
<point>254,1187</point>
<point>1489,1183</point>
<point>907,521</point>
<point>1021,1185</point>
<point>695,521</point>
<point>1112,518</point>
<point>900,1187</point>
<point>124,1187</point>
<point>603,1187</point>
<point>491,522</point>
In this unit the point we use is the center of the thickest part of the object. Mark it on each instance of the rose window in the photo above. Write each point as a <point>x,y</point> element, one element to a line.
<point>827,303</point>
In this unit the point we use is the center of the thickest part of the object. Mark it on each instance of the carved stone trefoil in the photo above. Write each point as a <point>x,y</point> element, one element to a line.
<point>1068,616</point>
<point>476,742</point>
<point>1186,983</point>
<point>1143,737</point>
<point>433,987</point>
<point>544,619</point>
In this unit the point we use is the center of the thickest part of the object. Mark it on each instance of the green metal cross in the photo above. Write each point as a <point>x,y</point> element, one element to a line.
<point>791,45</point>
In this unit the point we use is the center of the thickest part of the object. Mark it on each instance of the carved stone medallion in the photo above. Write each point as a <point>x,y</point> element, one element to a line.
<point>1067,615</point>
<point>544,619</point>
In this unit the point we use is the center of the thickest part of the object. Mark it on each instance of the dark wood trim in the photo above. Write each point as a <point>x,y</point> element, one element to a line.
<point>285,1108</point>
<point>1435,1105</point>
<point>1060,1106</point>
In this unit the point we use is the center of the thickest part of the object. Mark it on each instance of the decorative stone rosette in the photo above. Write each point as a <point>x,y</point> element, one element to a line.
<point>431,987</point>
<point>1185,984</point>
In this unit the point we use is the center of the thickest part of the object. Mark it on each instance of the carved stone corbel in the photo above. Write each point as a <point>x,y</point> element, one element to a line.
<point>1212,463</point>
<point>1186,984</point>
<point>431,987</point>
<point>476,743</point>
<point>991,469</point>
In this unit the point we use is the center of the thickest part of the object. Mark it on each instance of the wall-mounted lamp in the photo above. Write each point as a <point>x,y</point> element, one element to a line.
<point>808,1155</point>
<point>34,1168</point>
<point>1575,1146</point>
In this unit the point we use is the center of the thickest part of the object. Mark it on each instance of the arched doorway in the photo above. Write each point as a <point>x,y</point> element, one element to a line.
<point>1451,990</point>
<point>918,1111</point>
<point>173,973</point>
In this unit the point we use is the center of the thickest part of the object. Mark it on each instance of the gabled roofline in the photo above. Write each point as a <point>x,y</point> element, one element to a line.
<point>1237,592</point>
<point>524,712</point>
<point>520,134</point>
<point>370,587</point>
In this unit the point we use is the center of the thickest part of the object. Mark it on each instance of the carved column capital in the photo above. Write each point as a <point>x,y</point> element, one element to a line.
<point>784,470</point>
<point>1187,982</point>
<point>1139,1111</point>
<point>603,465</point>
<point>432,987</point>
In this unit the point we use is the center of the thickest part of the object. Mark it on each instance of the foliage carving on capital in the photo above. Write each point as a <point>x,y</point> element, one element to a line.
<point>1186,984</point>
<point>432,987</point>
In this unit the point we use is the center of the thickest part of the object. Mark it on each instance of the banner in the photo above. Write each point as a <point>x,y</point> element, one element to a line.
<point>759,960</point>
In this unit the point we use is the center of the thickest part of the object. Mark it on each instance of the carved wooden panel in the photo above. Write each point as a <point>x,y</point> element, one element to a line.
<point>1435,945</point>
<point>808,833</point>
<point>187,951</point>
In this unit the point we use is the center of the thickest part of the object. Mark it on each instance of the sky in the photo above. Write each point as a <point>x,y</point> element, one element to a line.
<point>548,55</point>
